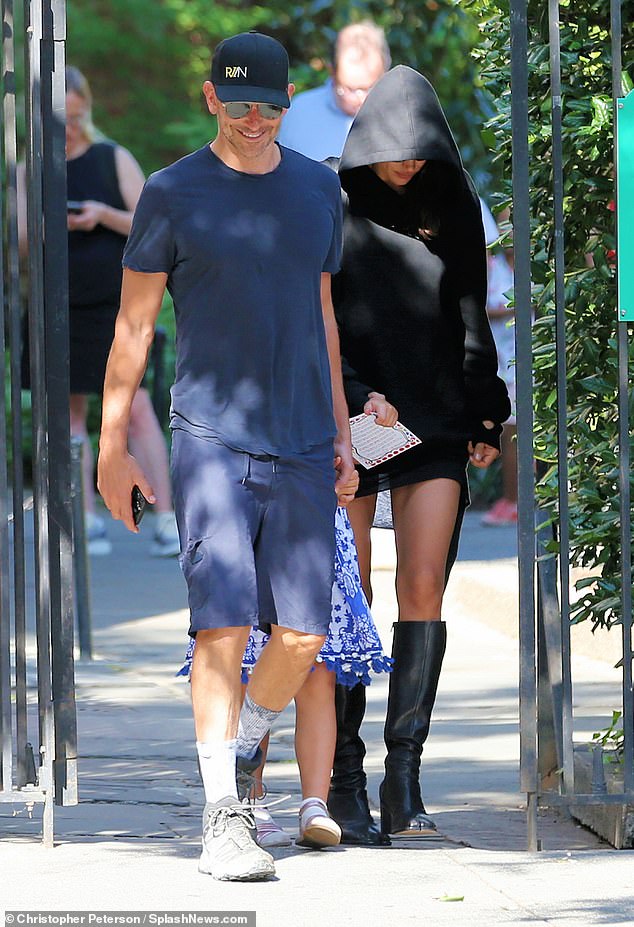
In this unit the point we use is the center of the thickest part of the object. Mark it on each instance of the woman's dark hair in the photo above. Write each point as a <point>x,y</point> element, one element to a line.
<point>435,188</point>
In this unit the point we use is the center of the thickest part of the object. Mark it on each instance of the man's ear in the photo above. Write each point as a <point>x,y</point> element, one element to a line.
<point>210,97</point>
<point>291,91</point>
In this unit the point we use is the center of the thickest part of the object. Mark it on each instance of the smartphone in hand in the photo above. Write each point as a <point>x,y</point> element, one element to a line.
<point>139,503</point>
<point>74,206</point>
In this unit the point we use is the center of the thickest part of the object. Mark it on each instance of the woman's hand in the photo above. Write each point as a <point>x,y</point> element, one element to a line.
<point>346,492</point>
<point>482,455</point>
<point>91,215</point>
<point>386,414</point>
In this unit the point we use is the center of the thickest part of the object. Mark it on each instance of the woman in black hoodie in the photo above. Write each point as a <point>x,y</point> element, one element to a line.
<point>410,304</point>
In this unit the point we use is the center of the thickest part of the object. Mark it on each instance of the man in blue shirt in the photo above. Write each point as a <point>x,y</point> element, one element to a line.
<point>245,235</point>
<point>319,120</point>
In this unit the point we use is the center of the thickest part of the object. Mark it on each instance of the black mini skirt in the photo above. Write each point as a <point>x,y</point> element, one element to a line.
<point>421,463</point>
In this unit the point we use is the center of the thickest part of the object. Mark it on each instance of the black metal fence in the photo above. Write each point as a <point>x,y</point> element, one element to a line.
<point>38,748</point>
<point>38,740</point>
<point>546,684</point>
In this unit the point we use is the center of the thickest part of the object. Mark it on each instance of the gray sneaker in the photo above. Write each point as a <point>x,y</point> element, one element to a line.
<point>230,852</point>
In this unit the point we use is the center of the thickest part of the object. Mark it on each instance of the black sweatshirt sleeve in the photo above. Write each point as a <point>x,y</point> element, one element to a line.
<point>356,392</point>
<point>486,394</point>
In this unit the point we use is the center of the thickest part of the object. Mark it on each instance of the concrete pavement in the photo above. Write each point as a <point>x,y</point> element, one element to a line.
<point>133,841</point>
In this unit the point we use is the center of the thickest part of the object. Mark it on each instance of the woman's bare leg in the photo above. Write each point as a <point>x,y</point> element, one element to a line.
<point>425,516</point>
<point>361,514</point>
<point>79,429</point>
<point>424,521</point>
<point>147,443</point>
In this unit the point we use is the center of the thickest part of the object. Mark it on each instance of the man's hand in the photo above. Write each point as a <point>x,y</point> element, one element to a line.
<point>347,476</point>
<point>117,473</point>
<point>346,492</point>
<point>482,455</point>
<point>386,414</point>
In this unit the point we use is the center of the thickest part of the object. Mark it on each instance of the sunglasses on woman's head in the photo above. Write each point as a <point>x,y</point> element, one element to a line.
<point>240,110</point>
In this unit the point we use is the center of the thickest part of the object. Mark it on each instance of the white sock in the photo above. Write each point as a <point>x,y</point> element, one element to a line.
<point>218,769</point>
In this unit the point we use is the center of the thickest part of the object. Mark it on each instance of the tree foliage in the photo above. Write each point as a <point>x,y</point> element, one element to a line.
<point>590,292</point>
<point>146,61</point>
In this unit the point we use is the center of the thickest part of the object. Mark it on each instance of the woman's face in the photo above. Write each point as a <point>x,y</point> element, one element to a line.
<point>77,115</point>
<point>397,174</point>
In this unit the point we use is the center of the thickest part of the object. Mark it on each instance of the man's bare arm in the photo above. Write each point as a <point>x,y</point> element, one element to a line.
<point>118,471</point>
<point>343,447</point>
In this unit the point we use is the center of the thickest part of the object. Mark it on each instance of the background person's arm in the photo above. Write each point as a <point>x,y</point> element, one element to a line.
<point>131,180</point>
<point>118,471</point>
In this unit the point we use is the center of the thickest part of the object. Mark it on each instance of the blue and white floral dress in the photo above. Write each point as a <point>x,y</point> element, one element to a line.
<point>352,648</point>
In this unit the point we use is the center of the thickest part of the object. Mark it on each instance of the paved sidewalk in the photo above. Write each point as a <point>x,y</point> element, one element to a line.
<point>133,841</point>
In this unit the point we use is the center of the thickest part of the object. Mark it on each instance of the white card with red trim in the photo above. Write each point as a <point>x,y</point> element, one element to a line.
<point>373,444</point>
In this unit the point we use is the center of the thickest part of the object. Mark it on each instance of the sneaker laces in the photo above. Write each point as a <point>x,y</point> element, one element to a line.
<point>246,791</point>
<point>237,819</point>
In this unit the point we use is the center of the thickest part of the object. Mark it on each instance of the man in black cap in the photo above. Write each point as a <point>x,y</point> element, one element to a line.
<point>245,236</point>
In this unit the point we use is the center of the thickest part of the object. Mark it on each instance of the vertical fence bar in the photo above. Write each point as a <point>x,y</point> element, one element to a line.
<point>57,391</point>
<point>566,722</point>
<point>37,345</point>
<point>6,721</point>
<point>624,461</point>
<point>524,376</point>
<point>549,663</point>
<point>22,771</point>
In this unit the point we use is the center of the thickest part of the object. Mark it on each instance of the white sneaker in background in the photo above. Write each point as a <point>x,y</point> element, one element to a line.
<point>97,540</point>
<point>268,831</point>
<point>166,542</point>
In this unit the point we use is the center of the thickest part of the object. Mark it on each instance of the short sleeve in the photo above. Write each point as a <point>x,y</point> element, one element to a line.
<point>150,248</point>
<point>332,264</point>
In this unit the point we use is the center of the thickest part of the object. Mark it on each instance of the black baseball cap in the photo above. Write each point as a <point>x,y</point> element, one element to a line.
<point>251,68</point>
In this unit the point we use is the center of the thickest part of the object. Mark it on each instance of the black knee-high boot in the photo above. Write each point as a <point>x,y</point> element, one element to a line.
<point>348,798</point>
<point>418,651</point>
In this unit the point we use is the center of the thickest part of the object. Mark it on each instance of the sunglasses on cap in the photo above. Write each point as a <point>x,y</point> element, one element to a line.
<point>240,110</point>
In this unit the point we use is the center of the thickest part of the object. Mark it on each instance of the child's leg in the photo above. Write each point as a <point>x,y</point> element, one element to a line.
<point>315,738</point>
<point>316,731</point>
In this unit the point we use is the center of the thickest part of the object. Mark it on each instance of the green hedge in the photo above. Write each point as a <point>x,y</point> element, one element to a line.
<point>590,292</point>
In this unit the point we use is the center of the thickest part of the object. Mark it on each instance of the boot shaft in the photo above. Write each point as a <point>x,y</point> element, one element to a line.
<point>347,770</point>
<point>418,650</point>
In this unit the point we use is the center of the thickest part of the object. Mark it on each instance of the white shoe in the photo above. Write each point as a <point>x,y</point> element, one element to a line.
<point>166,542</point>
<point>229,851</point>
<point>268,831</point>
<point>316,827</point>
<point>97,540</point>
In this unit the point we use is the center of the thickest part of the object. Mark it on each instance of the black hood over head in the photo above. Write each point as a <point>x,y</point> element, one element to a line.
<point>401,119</point>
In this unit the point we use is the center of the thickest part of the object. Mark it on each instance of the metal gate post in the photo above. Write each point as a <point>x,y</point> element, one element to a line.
<point>53,777</point>
<point>57,392</point>
<point>565,721</point>
<point>624,468</point>
<point>524,379</point>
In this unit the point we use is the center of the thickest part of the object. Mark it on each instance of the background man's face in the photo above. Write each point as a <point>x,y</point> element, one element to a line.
<point>354,78</point>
